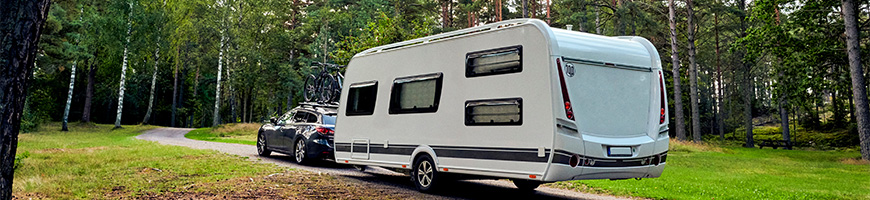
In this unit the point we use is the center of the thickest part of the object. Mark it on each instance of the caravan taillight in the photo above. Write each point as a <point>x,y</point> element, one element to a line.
<point>569,110</point>
<point>662,100</point>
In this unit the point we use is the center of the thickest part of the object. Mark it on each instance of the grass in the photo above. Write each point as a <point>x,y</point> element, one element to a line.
<point>242,133</point>
<point>92,161</point>
<point>698,171</point>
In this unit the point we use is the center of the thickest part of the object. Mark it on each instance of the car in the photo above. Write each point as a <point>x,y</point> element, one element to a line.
<point>305,133</point>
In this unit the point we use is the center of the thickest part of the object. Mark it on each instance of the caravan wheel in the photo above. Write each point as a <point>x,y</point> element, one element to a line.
<point>425,174</point>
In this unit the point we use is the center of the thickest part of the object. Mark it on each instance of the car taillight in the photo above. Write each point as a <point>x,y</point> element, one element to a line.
<point>569,110</point>
<point>325,131</point>
<point>662,91</point>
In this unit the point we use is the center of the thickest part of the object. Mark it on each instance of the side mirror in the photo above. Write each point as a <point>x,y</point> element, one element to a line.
<point>273,120</point>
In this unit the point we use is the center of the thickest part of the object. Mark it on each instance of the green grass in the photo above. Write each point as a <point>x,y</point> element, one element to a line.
<point>227,133</point>
<point>91,161</point>
<point>746,173</point>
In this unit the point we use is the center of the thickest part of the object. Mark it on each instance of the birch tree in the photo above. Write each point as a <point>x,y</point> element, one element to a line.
<point>124,68</point>
<point>72,82</point>
<point>154,74</point>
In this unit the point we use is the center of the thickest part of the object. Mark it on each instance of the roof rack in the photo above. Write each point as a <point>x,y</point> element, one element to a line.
<point>442,36</point>
<point>320,105</point>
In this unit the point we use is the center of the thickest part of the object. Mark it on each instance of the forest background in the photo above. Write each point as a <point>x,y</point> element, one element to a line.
<point>751,66</point>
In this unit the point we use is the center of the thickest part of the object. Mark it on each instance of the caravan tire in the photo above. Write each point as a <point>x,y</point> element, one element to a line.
<point>425,175</point>
<point>526,185</point>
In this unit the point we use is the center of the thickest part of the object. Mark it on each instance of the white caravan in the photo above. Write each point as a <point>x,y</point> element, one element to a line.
<point>514,99</point>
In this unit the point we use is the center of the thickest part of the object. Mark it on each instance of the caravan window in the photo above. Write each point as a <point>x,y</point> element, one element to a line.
<point>494,112</point>
<point>494,61</point>
<point>361,98</point>
<point>416,94</point>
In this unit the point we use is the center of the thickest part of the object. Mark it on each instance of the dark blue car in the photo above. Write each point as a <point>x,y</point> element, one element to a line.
<point>306,133</point>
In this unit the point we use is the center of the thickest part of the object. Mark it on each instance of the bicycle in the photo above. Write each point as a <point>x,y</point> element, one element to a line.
<point>324,87</point>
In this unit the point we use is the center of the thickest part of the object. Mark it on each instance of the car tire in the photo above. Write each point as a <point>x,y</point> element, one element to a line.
<point>526,185</point>
<point>299,151</point>
<point>262,150</point>
<point>425,174</point>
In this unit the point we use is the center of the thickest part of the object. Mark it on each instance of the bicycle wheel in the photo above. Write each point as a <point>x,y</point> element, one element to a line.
<point>311,88</point>
<point>326,91</point>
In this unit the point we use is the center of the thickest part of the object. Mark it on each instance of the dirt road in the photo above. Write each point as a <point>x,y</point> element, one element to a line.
<point>373,177</point>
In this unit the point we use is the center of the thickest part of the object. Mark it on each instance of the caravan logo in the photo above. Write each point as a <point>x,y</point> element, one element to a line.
<point>569,69</point>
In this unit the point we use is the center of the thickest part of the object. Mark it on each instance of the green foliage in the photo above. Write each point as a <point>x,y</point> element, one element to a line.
<point>19,160</point>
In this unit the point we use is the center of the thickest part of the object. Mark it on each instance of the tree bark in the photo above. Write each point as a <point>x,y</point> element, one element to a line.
<point>857,74</point>
<point>719,97</point>
<point>783,117</point>
<point>72,82</point>
<point>693,75</point>
<point>153,80</point>
<point>124,69</point>
<point>175,88</point>
<point>21,25</point>
<point>525,8</point>
<point>747,87</point>
<point>89,92</point>
<point>217,93</point>
<point>678,99</point>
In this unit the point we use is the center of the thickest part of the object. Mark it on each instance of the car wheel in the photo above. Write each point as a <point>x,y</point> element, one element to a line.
<point>526,185</point>
<point>299,151</point>
<point>425,174</point>
<point>261,146</point>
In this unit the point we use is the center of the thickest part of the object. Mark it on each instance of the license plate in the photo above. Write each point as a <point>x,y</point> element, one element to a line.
<point>619,151</point>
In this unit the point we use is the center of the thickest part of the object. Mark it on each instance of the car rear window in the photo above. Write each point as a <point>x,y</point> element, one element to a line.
<point>329,119</point>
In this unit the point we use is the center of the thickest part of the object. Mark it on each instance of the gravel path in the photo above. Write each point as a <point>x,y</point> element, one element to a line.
<point>373,177</point>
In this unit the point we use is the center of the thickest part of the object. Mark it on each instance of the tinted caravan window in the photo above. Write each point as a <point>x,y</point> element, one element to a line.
<point>494,112</point>
<point>494,61</point>
<point>416,94</point>
<point>361,98</point>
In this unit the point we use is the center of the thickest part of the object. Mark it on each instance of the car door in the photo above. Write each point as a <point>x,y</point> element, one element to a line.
<point>273,137</point>
<point>288,133</point>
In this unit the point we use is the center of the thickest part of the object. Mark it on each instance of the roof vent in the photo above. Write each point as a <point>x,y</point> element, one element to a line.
<point>569,27</point>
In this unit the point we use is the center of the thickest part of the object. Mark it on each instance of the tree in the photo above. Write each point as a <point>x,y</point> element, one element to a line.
<point>121,88</point>
<point>747,79</point>
<point>678,99</point>
<point>858,87</point>
<point>156,62</point>
<point>693,75</point>
<point>21,24</point>
<point>72,82</point>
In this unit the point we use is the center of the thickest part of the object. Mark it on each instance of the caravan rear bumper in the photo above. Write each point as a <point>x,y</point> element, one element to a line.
<point>606,168</point>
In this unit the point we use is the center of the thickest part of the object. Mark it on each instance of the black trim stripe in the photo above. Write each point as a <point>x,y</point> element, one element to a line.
<point>506,154</point>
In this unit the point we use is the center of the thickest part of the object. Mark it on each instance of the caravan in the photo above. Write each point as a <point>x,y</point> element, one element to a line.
<point>514,99</point>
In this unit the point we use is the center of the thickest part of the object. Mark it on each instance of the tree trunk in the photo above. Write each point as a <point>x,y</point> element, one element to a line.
<point>21,25</point>
<point>719,97</point>
<point>175,88</point>
<point>783,118</point>
<point>858,88</point>
<point>747,87</point>
<point>153,80</point>
<point>89,92</point>
<point>124,69</point>
<point>72,81</point>
<point>678,99</point>
<point>693,75</point>
<point>525,8</point>
<point>217,93</point>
